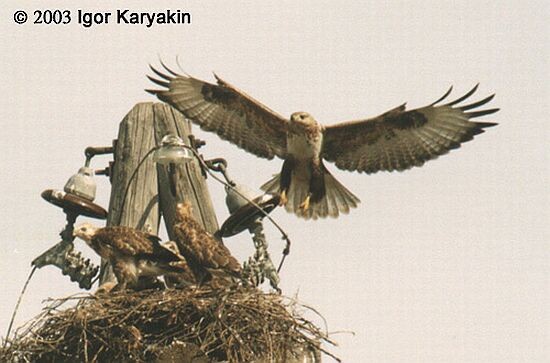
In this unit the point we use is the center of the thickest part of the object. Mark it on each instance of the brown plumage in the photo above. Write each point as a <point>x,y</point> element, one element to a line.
<point>131,253</point>
<point>180,279</point>
<point>204,254</point>
<point>396,140</point>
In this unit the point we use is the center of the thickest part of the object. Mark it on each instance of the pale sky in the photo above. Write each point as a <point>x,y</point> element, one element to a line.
<point>444,263</point>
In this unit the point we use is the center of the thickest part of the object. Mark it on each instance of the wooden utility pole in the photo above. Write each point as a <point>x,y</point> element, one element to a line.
<point>149,194</point>
<point>191,185</point>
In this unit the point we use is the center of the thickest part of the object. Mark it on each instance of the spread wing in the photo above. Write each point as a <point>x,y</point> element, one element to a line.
<point>225,110</point>
<point>400,139</point>
<point>131,242</point>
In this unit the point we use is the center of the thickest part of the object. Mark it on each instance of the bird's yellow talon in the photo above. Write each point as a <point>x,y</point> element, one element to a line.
<point>283,199</point>
<point>305,204</point>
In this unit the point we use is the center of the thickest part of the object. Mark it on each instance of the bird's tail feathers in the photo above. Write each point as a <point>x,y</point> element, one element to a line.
<point>338,199</point>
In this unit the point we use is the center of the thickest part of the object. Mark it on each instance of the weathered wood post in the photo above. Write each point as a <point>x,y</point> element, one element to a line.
<point>140,209</point>
<point>191,184</point>
<point>149,196</point>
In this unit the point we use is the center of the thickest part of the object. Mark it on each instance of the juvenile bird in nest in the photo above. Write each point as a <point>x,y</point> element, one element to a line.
<point>205,255</point>
<point>180,279</point>
<point>396,140</point>
<point>131,253</point>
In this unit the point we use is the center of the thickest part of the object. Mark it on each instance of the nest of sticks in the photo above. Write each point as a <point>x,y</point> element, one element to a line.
<point>237,324</point>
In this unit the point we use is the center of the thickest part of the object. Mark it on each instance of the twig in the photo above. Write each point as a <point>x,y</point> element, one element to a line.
<point>17,306</point>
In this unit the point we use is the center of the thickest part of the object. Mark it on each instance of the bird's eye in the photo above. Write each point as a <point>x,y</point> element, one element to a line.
<point>83,229</point>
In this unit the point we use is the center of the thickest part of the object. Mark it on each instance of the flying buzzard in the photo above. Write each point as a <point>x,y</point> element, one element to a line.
<point>132,253</point>
<point>204,254</point>
<point>396,140</point>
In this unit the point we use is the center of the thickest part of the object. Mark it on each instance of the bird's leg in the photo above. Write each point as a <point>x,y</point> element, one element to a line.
<point>305,204</point>
<point>286,176</point>
<point>283,199</point>
<point>316,185</point>
<point>123,276</point>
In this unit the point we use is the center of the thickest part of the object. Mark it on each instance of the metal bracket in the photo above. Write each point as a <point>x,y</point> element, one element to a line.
<point>63,256</point>
<point>71,263</point>
<point>260,266</point>
<point>92,151</point>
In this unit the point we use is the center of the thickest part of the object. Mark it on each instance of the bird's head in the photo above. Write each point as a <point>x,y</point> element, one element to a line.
<point>184,210</point>
<point>85,231</point>
<point>302,118</point>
